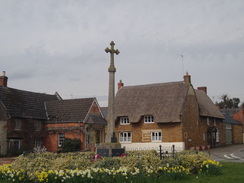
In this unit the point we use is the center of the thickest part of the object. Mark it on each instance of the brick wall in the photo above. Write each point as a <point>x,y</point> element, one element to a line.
<point>71,130</point>
<point>237,136</point>
<point>190,127</point>
<point>141,132</point>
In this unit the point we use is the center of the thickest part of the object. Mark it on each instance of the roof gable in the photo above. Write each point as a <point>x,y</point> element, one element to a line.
<point>73,110</point>
<point>164,101</point>
<point>206,106</point>
<point>24,104</point>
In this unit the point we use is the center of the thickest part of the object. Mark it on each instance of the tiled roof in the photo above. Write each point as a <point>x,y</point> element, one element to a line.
<point>105,112</point>
<point>72,110</point>
<point>95,119</point>
<point>230,120</point>
<point>24,104</point>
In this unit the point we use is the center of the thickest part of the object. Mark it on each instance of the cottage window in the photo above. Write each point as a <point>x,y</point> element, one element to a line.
<point>17,125</point>
<point>14,144</point>
<point>228,126</point>
<point>38,143</point>
<point>125,137</point>
<point>61,138</point>
<point>156,136</point>
<point>148,119</point>
<point>38,125</point>
<point>124,121</point>
<point>215,122</point>
<point>217,136</point>
<point>208,121</point>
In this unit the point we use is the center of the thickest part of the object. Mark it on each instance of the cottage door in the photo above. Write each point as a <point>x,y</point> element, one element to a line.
<point>212,136</point>
<point>228,136</point>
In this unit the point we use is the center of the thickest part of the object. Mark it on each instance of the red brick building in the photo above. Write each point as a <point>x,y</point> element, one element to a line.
<point>30,119</point>
<point>22,114</point>
<point>167,113</point>
<point>77,118</point>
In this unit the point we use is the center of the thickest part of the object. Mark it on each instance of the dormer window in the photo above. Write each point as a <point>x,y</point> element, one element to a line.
<point>124,121</point>
<point>148,119</point>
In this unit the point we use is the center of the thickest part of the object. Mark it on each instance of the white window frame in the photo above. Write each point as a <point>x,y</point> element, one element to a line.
<point>17,124</point>
<point>217,136</point>
<point>215,124</point>
<point>38,143</point>
<point>61,138</point>
<point>125,137</point>
<point>124,120</point>
<point>204,136</point>
<point>148,119</point>
<point>156,136</point>
<point>228,126</point>
<point>208,121</point>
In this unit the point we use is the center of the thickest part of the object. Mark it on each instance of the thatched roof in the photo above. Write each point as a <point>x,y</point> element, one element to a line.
<point>206,106</point>
<point>164,101</point>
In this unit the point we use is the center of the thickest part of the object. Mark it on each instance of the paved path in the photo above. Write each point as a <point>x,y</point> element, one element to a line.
<point>6,160</point>
<point>230,153</point>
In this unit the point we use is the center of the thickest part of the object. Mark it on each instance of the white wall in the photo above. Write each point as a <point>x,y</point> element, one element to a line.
<point>166,146</point>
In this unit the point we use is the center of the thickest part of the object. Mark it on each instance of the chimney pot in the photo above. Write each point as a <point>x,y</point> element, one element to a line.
<point>203,88</point>
<point>120,85</point>
<point>187,78</point>
<point>3,79</point>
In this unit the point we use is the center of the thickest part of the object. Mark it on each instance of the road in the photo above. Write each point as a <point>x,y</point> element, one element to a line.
<point>230,153</point>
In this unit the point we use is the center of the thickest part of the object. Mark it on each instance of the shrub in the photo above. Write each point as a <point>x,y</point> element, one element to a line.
<point>192,161</point>
<point>210,167</point>
<point>71,145</point>
<point>108,162</point>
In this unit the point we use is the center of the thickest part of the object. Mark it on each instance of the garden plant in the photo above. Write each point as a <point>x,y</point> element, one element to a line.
<point>79,167</point>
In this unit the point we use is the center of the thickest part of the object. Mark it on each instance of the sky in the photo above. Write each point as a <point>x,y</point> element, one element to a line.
<point>50,46</point>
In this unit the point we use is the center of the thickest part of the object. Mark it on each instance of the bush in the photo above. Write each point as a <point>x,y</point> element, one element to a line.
<point>192,161</point>
<point>71,145</point>
<point>210,167</point>
<point>109,162</point>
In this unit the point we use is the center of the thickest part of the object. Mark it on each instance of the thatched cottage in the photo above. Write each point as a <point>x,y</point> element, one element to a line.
<point>165,114</point>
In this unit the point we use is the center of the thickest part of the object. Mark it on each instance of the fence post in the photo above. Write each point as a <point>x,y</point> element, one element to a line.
<point>173,149</point>
<point>160,152</point>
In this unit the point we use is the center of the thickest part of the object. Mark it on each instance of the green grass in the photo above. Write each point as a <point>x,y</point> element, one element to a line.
<point>232,172</point>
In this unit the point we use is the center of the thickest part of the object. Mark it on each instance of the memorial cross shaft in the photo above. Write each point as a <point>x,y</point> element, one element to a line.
<point>110,136</point>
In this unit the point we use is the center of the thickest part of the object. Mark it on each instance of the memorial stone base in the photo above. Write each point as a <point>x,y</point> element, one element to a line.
<point>110,149</point>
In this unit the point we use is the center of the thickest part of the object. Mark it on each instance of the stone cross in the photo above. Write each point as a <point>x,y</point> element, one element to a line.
<point>110,136</point>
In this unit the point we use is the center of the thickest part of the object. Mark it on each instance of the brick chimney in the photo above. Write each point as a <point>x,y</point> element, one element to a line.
<point>120,85</point>
<point>203,88</point>
<point>3,79</point>
<point>187,78</point>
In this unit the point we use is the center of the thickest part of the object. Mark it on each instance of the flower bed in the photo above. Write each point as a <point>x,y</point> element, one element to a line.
<point>79,167</point>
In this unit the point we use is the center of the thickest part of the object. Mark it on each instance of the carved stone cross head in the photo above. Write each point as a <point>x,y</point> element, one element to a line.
<point>112,50</point>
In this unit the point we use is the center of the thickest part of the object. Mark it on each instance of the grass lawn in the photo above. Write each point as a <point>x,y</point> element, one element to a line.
<point>232,172</point>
